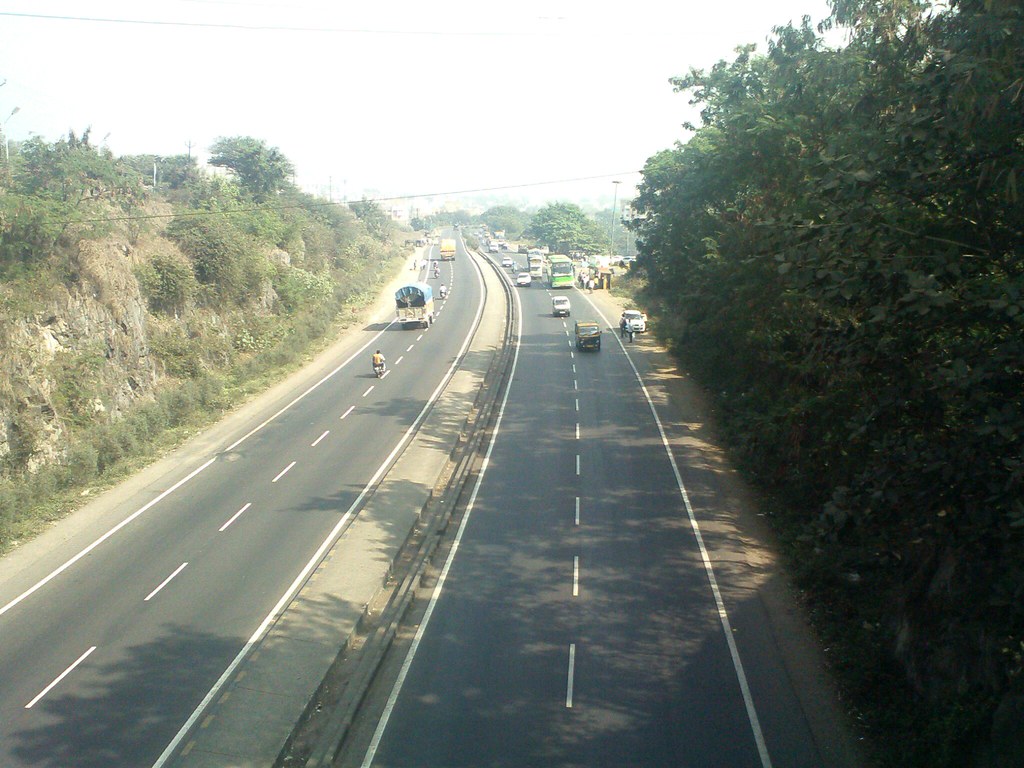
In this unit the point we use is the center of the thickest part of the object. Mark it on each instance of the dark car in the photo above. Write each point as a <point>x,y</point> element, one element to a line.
<point>588,335</point>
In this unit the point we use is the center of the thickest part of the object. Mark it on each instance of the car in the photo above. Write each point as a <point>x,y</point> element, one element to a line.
<point>588,335</point>
<point>523,278</point>
<point>633,320</point>
<point>560,306</point>
<point>627,261</point>
<point>508,262</point>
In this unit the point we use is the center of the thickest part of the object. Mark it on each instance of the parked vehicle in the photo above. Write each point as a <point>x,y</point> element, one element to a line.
<point>633,320</point>
<point>414,304</point>
<point>588,335</point>
<point>560,306</point>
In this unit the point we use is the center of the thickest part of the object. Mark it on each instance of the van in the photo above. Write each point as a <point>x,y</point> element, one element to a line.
<point>560,306</point>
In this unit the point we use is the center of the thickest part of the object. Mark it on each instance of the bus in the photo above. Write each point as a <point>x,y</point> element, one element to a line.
<point>560,271</point>
<point>536,266</point>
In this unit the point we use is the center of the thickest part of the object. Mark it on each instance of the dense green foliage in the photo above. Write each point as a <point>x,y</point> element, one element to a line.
<point>238,284</point>
<point>838,251</point>
<point>565,228</point>
<point>507,219</point>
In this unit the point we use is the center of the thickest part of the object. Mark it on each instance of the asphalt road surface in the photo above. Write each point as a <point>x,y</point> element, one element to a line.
<point>579,623</point>
<point>111,638</point>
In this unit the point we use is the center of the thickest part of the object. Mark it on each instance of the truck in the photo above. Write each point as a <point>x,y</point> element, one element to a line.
<point>536,261</point>
<point>448,249</point>
<point>414,305</point>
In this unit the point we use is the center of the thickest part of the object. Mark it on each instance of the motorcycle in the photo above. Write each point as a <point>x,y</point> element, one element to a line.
<point>437,273</point>
<point>443,293</point>
<point>378,369</point>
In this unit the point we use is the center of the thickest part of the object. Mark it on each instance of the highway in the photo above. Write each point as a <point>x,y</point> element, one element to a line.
<point>112,636</point>
<point>579,621</point>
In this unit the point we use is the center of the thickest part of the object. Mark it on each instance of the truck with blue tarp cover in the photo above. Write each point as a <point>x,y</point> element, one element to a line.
<point>414,304</point>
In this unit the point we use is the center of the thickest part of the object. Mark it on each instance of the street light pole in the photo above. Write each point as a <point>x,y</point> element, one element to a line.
<point>611,224</point>
<point>7,141</point>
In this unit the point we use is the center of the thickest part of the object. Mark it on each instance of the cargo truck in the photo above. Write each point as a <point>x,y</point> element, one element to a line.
<point>414,304</point>
<point>447,249</point>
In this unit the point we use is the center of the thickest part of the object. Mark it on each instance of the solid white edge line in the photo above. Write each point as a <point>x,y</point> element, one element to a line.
<point>60,677</point>
<point>234,517</point>
<point>321,551</point>
<point>165,582</point>
<point>325,434</point>
<point>571,677</point>
<point>389,707</point>
<point>723,615</point>
<point>68,563</point>
<point>282,472</point>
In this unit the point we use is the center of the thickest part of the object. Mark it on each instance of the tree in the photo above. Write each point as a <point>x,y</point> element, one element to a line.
<point>565,228</point>
<point>506,217</point>
<point>378,224</point>
<point>261,170</point>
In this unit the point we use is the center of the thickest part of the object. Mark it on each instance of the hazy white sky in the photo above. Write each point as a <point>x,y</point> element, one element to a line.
<point>394,97</point>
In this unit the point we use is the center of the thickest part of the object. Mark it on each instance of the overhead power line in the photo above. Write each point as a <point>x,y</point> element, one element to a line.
<point>335,204</point>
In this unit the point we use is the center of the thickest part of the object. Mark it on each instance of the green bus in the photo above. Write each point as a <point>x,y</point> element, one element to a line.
<point>560,271</point>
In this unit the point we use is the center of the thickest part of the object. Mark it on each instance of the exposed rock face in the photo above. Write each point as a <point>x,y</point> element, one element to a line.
<point>85,351</point>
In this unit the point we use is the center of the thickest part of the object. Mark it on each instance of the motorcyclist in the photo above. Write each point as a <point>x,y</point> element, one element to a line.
<point>444,290</point>
<point>378,361</point>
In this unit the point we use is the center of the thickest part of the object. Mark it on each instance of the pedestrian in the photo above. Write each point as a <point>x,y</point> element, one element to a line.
<point>590,285</point>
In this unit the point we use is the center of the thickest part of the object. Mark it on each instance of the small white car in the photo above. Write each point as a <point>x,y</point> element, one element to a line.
<point>560,306</point>
<point>523,278</point>
<point>508,262</point>
<point>634,321</point>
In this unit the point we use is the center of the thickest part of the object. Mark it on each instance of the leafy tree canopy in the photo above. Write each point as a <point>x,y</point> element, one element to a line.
<point>564,228</point>
<point>508,218</point>
<point>261,170</point>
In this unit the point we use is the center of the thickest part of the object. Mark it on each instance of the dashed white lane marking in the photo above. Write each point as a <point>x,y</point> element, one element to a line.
<point>577,405</point>
<point>419,337</point>
<point>165,582</point>
<point>399,359</point>
<point>577,430</point>
<point>282,472</point>
<point>576,576</point>
<point>577,510</point>
<point>325,434</point>
<point>572,674</point>
<point>346,413</point>
<point>577,465</point>
<point>385,374</point>
<point>60,677</point>
<point>575,385</point>
<point>409,349</point>
<point>234,517</point>
<point>369,390</point>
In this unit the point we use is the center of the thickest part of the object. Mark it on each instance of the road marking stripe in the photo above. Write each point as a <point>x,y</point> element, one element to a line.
<point>346,413</point>
<point>60,677</point>
<point>576,576</point>
<point>572,675</point>
<point>325,434</point>
<point>369,390</point>
<point>439,586</point>
<point>322,550</point>
<point>165,582</point>
<point>234,517</point>
<point>577,405</point>
<point>577,465</point>
<point>399,359</point>
<point>282,472</point>
<point>57,572</point>
<point>409,349</point>
<point>577,510</point>
<point>723,614</point>
<point>577,430</point>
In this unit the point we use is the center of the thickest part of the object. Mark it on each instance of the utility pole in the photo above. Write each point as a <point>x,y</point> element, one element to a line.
<point>611,224</point>
<point>189,145</point>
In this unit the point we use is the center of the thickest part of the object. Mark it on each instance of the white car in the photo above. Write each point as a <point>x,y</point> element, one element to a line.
<point>508,262</point>
<point>634,321</point>
<point>560,306</point>
<point>523,278</point>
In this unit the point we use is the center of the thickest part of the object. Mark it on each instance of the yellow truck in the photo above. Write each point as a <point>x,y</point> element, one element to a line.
<point>448,249</point>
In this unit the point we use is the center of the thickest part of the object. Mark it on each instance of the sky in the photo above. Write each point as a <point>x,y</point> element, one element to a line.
<point>531,100</point>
